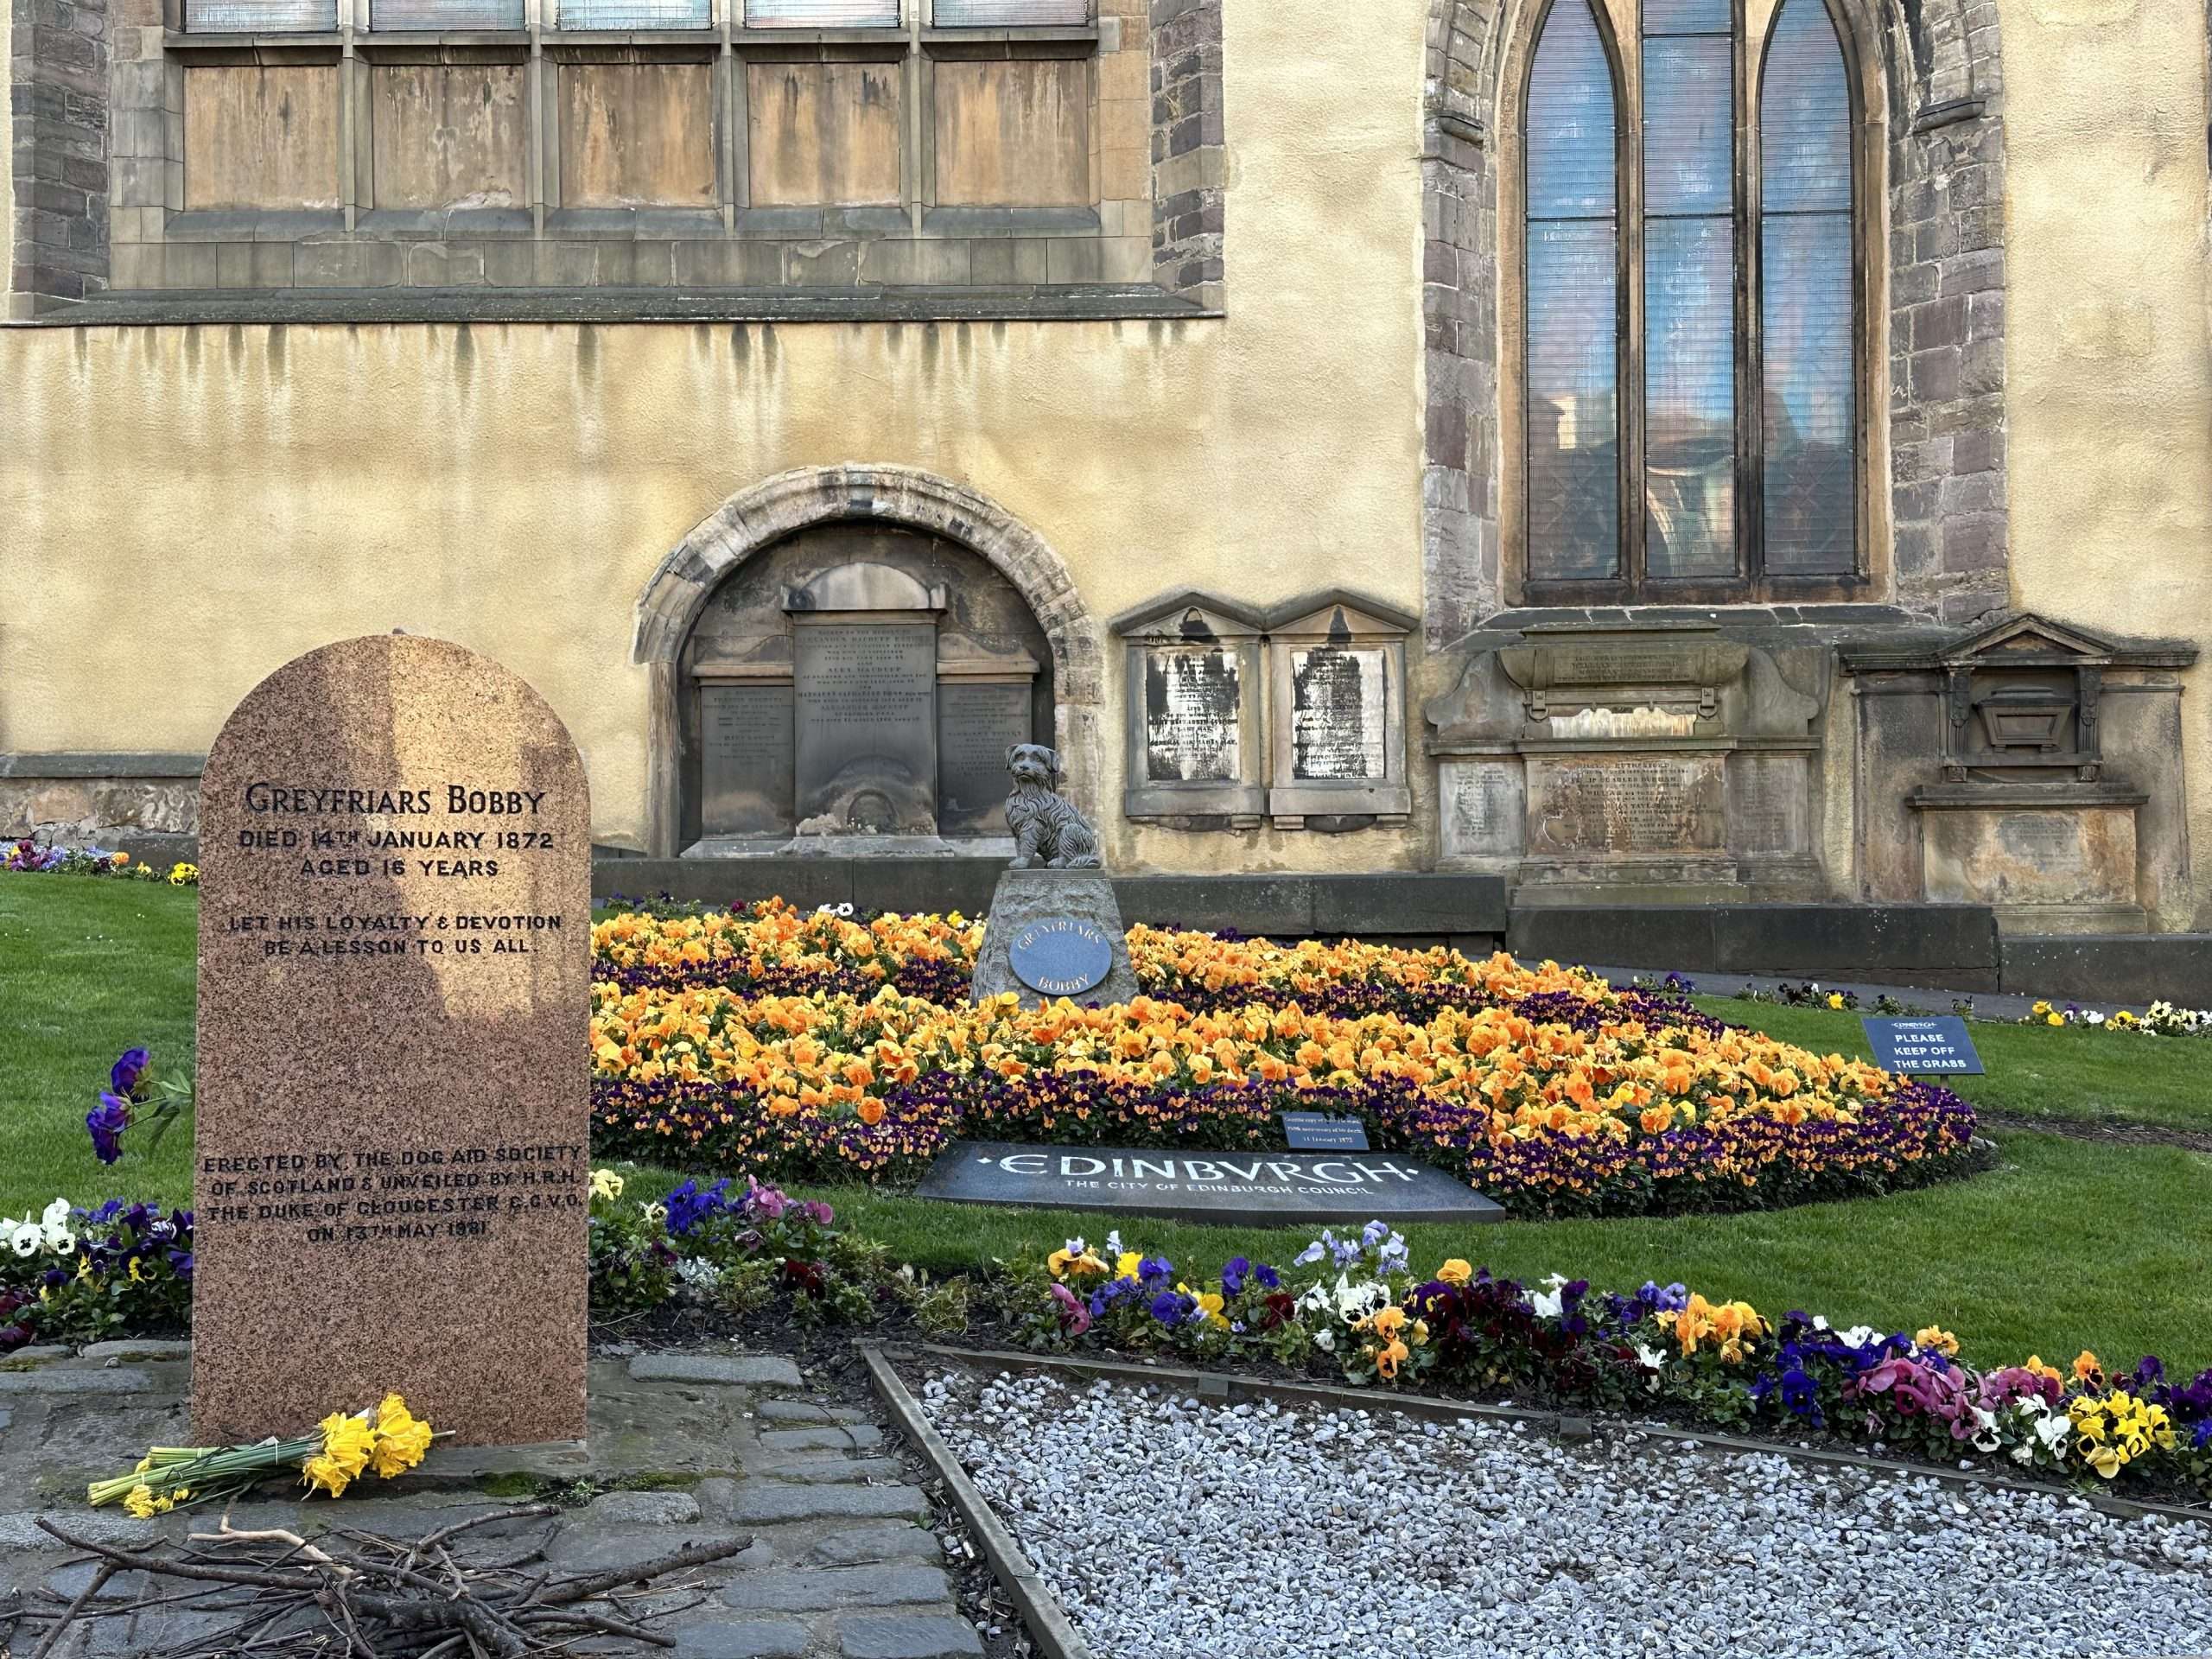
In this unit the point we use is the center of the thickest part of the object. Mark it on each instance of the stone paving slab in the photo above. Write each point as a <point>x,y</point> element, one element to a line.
<point>683,1448</point>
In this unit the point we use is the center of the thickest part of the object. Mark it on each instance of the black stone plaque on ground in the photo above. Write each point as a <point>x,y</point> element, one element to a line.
<point>1318,1132</point>
<point>1920,1048</point>
<point>1258,1188</point>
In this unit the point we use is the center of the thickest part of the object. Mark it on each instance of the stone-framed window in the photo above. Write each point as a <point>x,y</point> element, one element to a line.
<point>1692,351</point>
<point>1197,742</point>
<point>1933,520</point>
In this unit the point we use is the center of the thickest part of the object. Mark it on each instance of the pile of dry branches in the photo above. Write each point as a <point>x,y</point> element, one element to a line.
<point>369,1597</point>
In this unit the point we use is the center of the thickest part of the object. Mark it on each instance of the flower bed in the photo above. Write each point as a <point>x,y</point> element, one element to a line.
<point>36,858</point>
<point>796,1046</point>
<point>1356,1303</point>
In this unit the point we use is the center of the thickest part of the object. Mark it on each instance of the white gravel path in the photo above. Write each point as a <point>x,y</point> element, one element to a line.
<point>1170,1528</point>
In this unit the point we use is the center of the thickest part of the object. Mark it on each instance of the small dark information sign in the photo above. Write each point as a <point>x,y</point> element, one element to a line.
<point>1927,1047</point>
<point>1063,957</point>
<point>1318,1132</point>
<point>1247,1187</point>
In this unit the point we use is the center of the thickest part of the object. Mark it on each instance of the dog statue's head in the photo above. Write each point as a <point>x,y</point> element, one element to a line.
<point>1033,763</point>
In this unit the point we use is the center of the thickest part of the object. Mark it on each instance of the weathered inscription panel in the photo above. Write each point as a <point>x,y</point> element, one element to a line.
<point>1486,809</point>
<point>866,723</point>
<point>1635,805</point>
<point>1339,714</point>
<point>745,734</point>
<point>977,723</point>
<point>1193,703</point>
<point>395,926</point>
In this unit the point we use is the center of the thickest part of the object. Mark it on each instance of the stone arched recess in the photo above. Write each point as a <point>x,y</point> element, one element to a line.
<point>1938,60</point>
<point>757,519</point>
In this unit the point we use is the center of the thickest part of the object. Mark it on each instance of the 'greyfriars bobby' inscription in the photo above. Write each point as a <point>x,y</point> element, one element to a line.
<point>395,990</point>
<point>1063,957</point>
<point>1249,1187</point>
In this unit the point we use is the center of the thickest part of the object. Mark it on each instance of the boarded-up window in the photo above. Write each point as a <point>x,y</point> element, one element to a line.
<point>1573,253</point>
<point>821,13</point>
<point>1008,14</point>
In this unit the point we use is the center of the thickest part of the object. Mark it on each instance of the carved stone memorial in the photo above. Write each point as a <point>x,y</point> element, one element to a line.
<point>1196,750</point>
<point>1337,664</point>
<point>1053,915</point>
<point>2035,764</point>
<point>1662,761</point>
<point>391,1172</point>
<point>862,704</point>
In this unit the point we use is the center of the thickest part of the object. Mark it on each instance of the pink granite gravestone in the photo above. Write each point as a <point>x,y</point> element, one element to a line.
<point>391,1168</point>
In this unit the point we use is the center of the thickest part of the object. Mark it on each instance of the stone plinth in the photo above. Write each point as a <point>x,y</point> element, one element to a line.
<point>392,1167</point>
<point>1047,918</point>
<point>2050,860</point>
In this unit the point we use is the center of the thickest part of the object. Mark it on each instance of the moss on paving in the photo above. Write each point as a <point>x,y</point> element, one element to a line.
<point>2066,1244</point>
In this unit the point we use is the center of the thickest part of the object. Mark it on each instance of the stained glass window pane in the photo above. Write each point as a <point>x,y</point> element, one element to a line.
<point>1807,310</point>
<point>1687,18</point>
<point>1575,482</point>
<point>1689,99</point>
<point>1573,287</point>
<point>1805,116</point>
<point>1689,371</point>
<point>1572,134</point>
<point>1689,291</point>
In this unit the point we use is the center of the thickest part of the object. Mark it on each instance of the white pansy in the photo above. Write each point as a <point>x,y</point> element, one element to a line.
<point>1650,1358</point>
<point>1325,1341</point>
<point>56,1215</point>
<point>1859,1335</point>
<point>1547,1302</point>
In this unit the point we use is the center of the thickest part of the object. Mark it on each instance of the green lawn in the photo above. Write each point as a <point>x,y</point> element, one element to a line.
<point>2075,1073</point>
<point>2068,1244</point>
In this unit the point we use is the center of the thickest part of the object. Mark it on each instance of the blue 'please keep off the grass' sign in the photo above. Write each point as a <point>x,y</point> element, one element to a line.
<point>1922,1048</point>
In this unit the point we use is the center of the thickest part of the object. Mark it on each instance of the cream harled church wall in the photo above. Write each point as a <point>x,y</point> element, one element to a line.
<point>187,507</point>
<point>2108,359</point>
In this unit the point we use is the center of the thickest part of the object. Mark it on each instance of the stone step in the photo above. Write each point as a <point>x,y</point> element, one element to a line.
<point>832,1470</point>
<point>828,1589</point>
<point>743,1370</point>
<point>741,1638</point>
<point>764,1502</point>
<point>906,1636</point>
<point>860,1437</point>
<point>805,1411</point>
<point>860,1545</point>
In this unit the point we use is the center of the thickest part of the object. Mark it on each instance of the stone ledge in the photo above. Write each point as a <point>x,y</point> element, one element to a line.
<point>179,308</point>
<point>2137,968</point>
<point>1951,946</point>
<point>1407,905</point>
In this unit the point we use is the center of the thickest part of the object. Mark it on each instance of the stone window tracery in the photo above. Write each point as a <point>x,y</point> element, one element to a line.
<point>1692,351</point>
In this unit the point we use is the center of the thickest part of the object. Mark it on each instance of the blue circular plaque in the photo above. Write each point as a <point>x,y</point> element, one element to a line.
<point>1063,957</point>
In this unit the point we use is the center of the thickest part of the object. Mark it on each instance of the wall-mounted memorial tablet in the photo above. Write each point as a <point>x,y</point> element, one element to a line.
<point>1195,743</point>
<point>1338,666</point>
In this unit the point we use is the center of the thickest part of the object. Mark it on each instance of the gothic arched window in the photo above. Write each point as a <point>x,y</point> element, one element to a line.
<point>1691,312</point>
